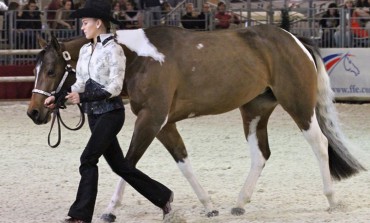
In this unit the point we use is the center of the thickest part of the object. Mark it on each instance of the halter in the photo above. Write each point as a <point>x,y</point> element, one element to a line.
<point>59,103</point>
<point>68,69</point>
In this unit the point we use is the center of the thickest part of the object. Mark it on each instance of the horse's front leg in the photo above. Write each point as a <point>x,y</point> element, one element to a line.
<point>115,202</point>
<point>255,116</point>
<point>171,139</point>
<point>147,125</point>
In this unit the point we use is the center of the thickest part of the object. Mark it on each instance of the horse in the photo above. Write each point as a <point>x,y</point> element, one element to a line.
<point>254,69</point>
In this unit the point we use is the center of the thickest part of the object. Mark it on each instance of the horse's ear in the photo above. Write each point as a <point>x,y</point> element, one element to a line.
<point>41,41</point>
<point>54,42</point>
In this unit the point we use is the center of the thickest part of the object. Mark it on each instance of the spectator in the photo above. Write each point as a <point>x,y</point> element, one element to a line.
<point>51,10</point>
<point>223,19</point>
<point>363,13</point>
<point>169,19</point>
<point>79,4</point>
<point>62,16</point>
<point>133,18</point>
<point>122,3</point>
<point>64,22</point>
<point>189,20</point>
<point>343,38</point>
<point>329,24</point>
<point>205,17</point>
<point>360,29</point>
<point>118,14</point>
<point>153,10</point>
<point>12,17</point>
<point>29,24</point>
<point>166,8</point>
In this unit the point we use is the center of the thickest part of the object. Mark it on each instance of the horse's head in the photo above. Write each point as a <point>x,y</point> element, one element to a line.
<point>49,71</point>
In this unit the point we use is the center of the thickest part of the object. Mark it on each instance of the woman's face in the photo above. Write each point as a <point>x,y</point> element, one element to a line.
<point>68,5</point>
<point>348,4</point>
<point>90,27</point>
<point>129,6</point>
<point>117,7</point>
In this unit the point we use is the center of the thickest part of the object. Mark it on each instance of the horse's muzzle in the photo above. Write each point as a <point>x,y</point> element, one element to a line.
<point>34,114</point>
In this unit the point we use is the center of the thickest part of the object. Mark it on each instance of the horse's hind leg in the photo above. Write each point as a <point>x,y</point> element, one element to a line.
<point>319,144</point>
<point>171,139</point>
<point>255,116</point>
<point>304,116</point>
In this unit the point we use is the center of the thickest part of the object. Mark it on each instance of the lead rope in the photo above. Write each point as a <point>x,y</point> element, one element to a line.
<point>56,115</point>
<point>59,104</point>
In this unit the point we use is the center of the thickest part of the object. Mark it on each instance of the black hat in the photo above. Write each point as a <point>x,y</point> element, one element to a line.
<point>99,9</point>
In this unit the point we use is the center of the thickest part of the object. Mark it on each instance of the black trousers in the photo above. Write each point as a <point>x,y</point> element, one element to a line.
<point>103,141</point>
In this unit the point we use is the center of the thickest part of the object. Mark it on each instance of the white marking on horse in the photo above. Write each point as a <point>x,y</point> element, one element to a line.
<point>165,121</point>
<point>257,164</point>
<point>319,144</point>
<point>191,115</point>
<point>193,69</point>
<point>137,41</point>
<point>188,173</point>
<point>116,199</point>
<point>200,46</point>
<point>303,48</point>
<point>38,67</point>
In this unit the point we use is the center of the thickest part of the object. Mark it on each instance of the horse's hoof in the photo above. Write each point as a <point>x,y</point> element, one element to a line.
<point>213,213</point>
<point>237,211</point>
<point>108,217</point>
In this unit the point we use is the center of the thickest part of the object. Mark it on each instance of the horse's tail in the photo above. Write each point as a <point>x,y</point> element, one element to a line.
<point>342,164</point>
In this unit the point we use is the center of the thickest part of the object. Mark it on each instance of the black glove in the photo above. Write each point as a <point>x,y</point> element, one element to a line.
<point>97,95</point>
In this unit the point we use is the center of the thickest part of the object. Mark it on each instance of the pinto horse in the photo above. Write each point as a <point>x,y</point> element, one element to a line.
<point>208,73</point>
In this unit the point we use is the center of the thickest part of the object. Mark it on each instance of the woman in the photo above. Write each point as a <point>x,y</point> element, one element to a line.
<point>100,72</point>
<point>343,38</point>
<point>118,14</point>
<point>51,10</point>
<point>62,16</point>
<point>133,18</point>
<point>223,19</point>
<point>329,23</point>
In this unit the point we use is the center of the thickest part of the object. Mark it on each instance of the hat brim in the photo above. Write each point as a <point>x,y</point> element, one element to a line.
<point>93,13</point>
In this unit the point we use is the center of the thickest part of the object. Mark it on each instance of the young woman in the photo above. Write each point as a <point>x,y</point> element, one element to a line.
<point>100,72</point>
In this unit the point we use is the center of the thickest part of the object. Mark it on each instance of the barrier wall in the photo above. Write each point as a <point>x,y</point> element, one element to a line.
<point>16,90</point>
<point>349,72</point>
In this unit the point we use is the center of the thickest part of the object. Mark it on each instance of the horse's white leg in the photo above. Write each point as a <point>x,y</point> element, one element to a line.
<point>172,141</point>
<point>115,202</point>
<point>257,164</point>
<point>202,195</point>
<point>319,144</point>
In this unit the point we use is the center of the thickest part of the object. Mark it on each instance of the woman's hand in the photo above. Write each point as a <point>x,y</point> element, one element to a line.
<point>49,102</point>
<point>73,98</point>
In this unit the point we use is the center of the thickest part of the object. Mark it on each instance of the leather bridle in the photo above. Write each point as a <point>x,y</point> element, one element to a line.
<point>59,103</point>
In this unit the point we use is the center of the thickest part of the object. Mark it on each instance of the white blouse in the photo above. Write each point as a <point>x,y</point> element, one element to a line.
<point>105,65</point>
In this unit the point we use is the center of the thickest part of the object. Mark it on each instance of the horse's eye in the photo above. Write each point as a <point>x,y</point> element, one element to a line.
<point>51,73</point>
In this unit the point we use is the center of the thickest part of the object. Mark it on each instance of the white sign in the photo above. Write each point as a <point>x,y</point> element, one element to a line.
<point>349,72</point>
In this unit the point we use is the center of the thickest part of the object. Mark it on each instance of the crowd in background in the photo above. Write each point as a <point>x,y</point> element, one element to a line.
<point>356,17</point>
<point>55,18</point>
<point>24,22</point>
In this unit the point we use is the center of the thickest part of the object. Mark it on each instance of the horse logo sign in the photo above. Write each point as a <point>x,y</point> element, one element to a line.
<point>332,60</point>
